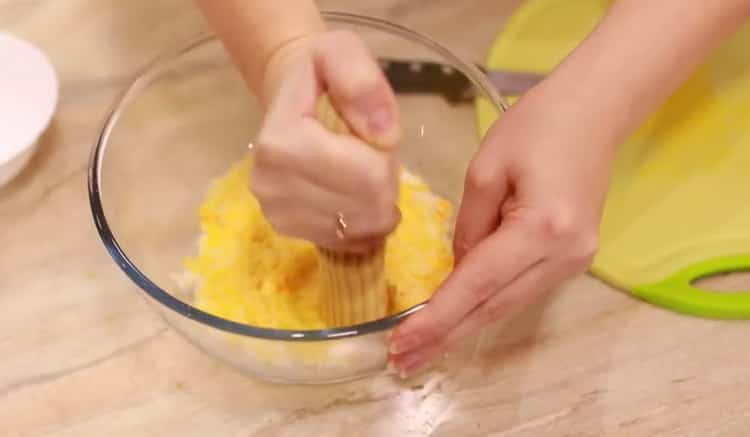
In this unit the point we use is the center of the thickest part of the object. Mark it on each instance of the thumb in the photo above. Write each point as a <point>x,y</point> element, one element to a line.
<point>485,189</point>
<point>358,88</point>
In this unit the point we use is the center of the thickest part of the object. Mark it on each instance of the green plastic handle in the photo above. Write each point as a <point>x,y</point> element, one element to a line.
<point>678,292</point>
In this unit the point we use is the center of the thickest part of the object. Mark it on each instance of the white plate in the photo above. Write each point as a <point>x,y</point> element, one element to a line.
<point>28,97</point>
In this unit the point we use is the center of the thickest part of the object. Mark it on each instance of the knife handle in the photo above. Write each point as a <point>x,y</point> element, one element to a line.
<point>420,77</point>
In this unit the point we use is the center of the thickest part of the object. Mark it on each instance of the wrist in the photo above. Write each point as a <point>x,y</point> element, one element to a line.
<point>616,78</point>
<point>280,61</point>
<point>598,123</point>
<point>254,31</point>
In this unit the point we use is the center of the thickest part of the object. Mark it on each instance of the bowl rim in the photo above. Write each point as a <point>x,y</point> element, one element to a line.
<point>142,79</point>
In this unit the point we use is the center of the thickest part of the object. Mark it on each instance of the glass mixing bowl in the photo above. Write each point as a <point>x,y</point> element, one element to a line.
<point>183,122</point>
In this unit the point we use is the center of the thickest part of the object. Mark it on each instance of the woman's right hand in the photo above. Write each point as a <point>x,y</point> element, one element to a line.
<point>308,179</point>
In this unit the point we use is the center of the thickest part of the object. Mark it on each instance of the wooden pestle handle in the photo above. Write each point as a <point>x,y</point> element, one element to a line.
<point>355,287</point>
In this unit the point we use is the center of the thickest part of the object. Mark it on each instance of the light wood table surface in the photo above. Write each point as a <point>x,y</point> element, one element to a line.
<point>82,354</point>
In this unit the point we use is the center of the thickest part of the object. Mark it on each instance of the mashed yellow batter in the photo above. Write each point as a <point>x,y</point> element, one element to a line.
<point>250,274</point>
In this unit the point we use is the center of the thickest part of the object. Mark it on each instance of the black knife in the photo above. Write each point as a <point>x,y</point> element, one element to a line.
<point>424,77</point>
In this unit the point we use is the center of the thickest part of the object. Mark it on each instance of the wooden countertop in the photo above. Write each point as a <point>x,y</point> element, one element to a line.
<point>84,355</point>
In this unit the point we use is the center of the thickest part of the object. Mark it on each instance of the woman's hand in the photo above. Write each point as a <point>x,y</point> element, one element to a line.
<point>529,219</point>
<point>535,192</point>
<point>304,176</point>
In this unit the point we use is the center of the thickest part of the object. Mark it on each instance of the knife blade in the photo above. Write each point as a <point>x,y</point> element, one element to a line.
<point>425,77</point>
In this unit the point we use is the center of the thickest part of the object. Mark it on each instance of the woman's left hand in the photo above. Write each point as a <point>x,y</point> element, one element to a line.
<point>529,219</point>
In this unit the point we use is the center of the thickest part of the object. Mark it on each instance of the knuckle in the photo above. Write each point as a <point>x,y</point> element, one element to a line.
<point>578,242</point>
<point>557,224</point>
<point>386,200</point>
<point>262,188</point>
<point>378,219</point>
<point>480,177</point>
<point>274,148</point>
<point>583,251</point>
<point>269,154</point>
<point>385,221</point>
<point>376,183</point>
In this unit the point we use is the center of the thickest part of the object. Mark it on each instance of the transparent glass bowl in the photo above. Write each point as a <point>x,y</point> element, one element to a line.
<point>183,122</point>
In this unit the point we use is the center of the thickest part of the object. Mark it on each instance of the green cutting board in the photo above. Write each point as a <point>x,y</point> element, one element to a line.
<point>679,203</point>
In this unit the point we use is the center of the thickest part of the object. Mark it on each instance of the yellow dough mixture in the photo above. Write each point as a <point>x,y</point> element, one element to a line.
<point>248,273</point>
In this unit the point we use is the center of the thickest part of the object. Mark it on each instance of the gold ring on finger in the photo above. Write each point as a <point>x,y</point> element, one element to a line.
<point>341,226</point>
